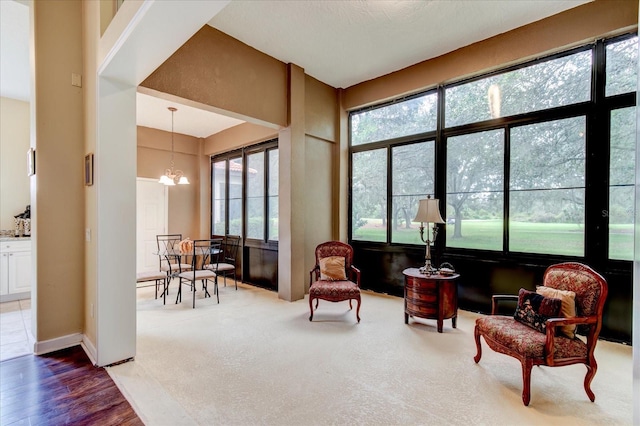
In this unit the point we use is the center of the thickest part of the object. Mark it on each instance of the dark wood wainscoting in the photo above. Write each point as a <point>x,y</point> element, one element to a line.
<point>260,266</point>
<point>481,277</point>
<point>60,388</point>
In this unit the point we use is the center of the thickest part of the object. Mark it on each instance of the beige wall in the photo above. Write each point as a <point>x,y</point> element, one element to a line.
<point>58,200</point>
<point>237,137</point>
<point>14,144</point>
<point>215,69</point>
<point>575,26</point>
<point>154,157</point>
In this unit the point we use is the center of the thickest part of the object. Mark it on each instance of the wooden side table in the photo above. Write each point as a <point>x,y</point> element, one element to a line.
<point>430,296</point>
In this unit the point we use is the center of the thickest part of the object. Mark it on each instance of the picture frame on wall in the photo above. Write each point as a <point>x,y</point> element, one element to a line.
<point>88,169</point>
<point>31,162</point>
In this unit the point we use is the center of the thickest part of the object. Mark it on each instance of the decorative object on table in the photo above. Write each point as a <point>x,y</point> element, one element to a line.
<point>173,176</point>
<point>88,170</point>
<point>331,278</point>
<point>446,269</point>
<point>552,348</point>
<point>432,296</point>
<point>186,246</point>
<point>428,212</point>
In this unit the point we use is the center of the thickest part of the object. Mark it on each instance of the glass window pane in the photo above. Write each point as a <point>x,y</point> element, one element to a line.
<point>549,84</point>
<point>475,194</point>
<point>417,115</point>
<point>273,194</point>
<point>622,67</point>
<point>546,211</point>
<point>255,195</point>
<point>219,196</point>
<point>235,196</point>
<point>621,180</point>
<point>369,195</point>
<point>413,179</point>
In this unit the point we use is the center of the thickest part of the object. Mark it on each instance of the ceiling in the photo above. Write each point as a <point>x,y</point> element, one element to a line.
<point>340,43</point>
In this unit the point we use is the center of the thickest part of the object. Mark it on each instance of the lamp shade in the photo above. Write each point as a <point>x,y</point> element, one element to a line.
<point>429,211</point>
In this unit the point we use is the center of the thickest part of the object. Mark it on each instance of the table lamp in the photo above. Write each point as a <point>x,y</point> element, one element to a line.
<point>428,212</point>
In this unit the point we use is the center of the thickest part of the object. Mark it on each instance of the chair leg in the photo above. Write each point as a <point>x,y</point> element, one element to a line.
<point>193,293</point>
<point>527,365</point>
<point>350,305</point>
<point>179,295</point>
<point>476,334</point>
<point>215,288</point>
<point>591,372</point>
<point>358,308</point>
<point>311,307</point>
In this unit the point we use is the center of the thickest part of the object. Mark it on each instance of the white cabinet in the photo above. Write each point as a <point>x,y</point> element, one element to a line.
<point>15,269</point>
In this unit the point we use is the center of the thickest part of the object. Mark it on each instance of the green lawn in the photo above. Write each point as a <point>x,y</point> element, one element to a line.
<point>546,238</point>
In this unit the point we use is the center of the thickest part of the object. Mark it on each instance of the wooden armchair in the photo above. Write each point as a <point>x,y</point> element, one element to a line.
<point>332,277</point>
<point>552,348</point>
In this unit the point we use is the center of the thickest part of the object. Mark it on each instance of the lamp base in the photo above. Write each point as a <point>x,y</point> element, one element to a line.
<point>428,269</point>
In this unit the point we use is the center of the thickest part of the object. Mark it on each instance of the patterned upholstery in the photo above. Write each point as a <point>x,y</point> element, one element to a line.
<point>527,341</point>
<point>335,291</point>
<point>506,335</point>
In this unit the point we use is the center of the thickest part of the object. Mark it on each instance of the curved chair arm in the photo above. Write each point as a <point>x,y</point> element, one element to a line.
<point>552,323</point>
<point>498,298</point>
<point>355,271</point>
<point>315,269</point>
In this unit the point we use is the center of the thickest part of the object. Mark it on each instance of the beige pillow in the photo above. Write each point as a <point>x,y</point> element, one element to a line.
<point>332,268</point>
<point>568,309</point>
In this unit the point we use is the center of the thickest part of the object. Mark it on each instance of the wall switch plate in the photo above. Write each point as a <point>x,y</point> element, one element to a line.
<point>76,80</point>
<point>87,234</point>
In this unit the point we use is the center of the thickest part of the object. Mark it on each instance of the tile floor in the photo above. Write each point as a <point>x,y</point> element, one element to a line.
<point>15,329</point>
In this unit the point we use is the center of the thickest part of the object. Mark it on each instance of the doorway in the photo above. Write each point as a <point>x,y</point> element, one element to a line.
<point>152,200</point>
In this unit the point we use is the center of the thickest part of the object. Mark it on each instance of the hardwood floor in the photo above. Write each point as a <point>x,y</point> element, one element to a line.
<point>62,387</point>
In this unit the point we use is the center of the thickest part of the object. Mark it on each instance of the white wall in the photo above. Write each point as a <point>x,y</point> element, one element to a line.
<point>14,144</point>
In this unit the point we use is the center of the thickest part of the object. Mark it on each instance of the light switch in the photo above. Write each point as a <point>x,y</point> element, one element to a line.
<point>76,80</point>
<point>87,234</point>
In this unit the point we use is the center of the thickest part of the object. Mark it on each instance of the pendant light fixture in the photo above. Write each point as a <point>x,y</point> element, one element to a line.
<point>172,177</point>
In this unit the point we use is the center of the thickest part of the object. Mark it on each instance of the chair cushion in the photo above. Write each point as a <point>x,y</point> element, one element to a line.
<point>150,276</point>
<point>332,268</point>
<point>176,267</point>
<point>534,309</point>
<point>568,309</point>
<point>199,275</point>
<point>334,290</point>
<point>220,267</point>
<point>525,340</point>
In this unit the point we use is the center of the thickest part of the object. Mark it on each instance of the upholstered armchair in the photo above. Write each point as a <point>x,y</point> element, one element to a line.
<point>543,329</point>
<point>334,278</point>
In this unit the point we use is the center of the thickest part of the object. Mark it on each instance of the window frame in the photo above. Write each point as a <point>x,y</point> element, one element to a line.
<point>596,110</point>
<point>243,153</point>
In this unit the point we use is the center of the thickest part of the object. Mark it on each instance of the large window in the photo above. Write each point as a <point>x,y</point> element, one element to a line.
<point>244,200</point>
<point>621,178</point>
<point>475,164</point>
<point>547,187</point>
<point>517,158</point>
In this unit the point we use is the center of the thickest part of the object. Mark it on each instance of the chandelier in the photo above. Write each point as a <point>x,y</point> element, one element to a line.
<point>171,176</point>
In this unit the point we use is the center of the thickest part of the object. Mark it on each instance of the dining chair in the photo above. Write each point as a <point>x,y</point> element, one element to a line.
<point>227,261</point>
<point>204,252</point>
<point>170,256</point>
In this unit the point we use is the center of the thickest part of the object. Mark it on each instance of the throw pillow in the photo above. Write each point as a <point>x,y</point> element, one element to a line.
<point>568,309</point>
<point>534,309</point>
<point>332,268</point>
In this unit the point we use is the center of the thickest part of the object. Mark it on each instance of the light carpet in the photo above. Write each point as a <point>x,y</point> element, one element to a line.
<point>257,360</point>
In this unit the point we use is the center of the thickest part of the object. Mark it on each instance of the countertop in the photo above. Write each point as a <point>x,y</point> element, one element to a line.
<point>3,239</point>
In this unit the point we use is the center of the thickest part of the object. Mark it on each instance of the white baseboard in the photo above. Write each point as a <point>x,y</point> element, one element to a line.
<point>90,349</point>
<point>58,343</point>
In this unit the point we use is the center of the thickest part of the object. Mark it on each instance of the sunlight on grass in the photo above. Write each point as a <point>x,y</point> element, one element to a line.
<point>546,238</point>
